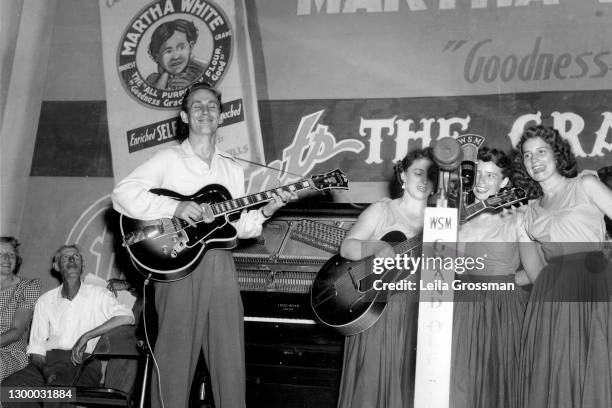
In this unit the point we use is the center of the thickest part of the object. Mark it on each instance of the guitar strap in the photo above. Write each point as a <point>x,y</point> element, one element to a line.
<point>236,159</point>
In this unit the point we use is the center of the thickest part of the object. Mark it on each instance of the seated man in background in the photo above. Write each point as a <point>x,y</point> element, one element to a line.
<point>68,321</point>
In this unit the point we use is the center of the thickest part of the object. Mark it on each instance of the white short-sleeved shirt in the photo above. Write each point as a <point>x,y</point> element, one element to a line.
<point>58,322</point>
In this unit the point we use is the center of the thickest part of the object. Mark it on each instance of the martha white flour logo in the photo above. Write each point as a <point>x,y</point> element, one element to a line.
<point>171,44</point>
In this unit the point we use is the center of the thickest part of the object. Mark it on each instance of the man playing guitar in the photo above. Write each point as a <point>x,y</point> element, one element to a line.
<point>202,311</point>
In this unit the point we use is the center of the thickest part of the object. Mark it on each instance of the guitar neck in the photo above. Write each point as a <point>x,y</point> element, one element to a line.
<point>474,209</point>
<point>237,204</point>
<point>408,245</point>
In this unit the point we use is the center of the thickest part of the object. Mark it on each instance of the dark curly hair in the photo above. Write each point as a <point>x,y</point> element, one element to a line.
<point>166,30</point>
<point>562,150</point>
<point>498,157</point>
<point>12,241</point>
<point>182,130</point>
<point>403,165</point>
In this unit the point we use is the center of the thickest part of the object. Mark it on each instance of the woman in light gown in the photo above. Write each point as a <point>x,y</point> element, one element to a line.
<point>487,324</point>
<point>566,356</point>
<point>378,369</point>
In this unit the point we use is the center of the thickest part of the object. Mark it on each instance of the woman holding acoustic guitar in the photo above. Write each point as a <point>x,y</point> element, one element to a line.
<point>378,369</point>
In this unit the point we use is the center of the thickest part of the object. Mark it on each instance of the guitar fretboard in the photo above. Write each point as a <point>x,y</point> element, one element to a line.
<point>408,245</point>
<point>474,208</point>
<point>238,204</point>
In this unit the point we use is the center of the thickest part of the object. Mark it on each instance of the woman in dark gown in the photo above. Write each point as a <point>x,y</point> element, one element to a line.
<point>378,369</point>
<point>487,324</point>
<point>566,357</point>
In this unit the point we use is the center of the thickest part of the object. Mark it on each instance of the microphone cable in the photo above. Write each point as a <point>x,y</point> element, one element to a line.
<point>144,319</point>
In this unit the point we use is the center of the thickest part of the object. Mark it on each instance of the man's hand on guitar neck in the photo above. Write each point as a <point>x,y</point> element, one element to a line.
<point>189,211</point>
<point>193,212</point>
<point>281,198</point>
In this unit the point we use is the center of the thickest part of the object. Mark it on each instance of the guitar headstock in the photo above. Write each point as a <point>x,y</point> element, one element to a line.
<point>514,197</point>
<point>504,199</point>
<point>333,180</point>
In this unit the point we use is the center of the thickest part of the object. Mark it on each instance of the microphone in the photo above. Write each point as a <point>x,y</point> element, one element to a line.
<point>468,166</point>
<point>470,143</point>
<point>447,153</point>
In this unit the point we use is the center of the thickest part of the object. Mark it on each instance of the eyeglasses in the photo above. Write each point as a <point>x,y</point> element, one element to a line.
<point>71,257</point>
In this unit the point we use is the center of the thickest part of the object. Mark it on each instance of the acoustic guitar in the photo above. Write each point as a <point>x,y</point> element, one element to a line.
<point>344,295</point>
<point>169,249</point>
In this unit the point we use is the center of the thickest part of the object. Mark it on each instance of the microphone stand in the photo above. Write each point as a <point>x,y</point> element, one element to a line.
<point>435,322</point>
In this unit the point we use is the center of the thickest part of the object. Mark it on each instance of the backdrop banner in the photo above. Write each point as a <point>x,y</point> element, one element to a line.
<point>365,137</point>
<point>370,79</point>
<point>153,51</point>
<point>410,48</point>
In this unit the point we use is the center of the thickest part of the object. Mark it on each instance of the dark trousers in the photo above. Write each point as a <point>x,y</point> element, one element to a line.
<point>201,312</point>
<point>66,375</point>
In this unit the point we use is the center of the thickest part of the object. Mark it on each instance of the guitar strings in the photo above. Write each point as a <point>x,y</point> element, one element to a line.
<point>404,247</point>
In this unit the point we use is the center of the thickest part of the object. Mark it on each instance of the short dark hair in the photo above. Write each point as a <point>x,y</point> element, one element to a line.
<point>425,153</point>
<point>498,157</point>
<point>12,241</point>
<point>196,87</point>
<point>562,150</point>
<point>167,29</point>
<point>182,130</point>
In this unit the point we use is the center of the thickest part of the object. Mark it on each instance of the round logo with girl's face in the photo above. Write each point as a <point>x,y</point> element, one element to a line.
<point>169,45</point>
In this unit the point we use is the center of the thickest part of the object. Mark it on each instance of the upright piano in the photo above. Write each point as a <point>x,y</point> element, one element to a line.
<point>291,360</point>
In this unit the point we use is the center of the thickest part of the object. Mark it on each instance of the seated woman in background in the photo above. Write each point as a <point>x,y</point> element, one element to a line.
<point>487,324</point>
<point>379,363</point>
<point>566,356</point>
<point>17,298</point>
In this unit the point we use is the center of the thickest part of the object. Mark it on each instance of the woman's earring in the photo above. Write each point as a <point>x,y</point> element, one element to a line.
<point>404,185</point>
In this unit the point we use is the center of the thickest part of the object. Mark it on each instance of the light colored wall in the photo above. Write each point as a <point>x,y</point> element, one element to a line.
<point>10,13</point>
<point>76,71</point>
<point>22,110</point>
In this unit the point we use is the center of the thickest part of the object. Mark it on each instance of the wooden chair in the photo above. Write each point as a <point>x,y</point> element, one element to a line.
<point>126,363</point>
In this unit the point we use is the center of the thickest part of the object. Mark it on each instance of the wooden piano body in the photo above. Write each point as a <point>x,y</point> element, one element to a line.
<point>292,361</point>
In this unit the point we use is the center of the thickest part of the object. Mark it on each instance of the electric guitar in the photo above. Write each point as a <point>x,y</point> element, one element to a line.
<point>344,294</point>
<point>504,199</point>
<point>169,249</point>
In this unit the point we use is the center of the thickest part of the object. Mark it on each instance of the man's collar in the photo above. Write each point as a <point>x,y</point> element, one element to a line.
<point>187,150</point>
<point>60,293</point>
